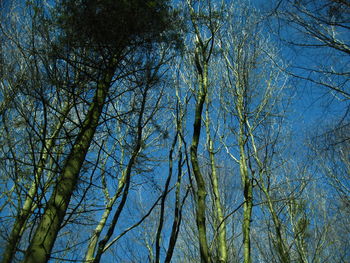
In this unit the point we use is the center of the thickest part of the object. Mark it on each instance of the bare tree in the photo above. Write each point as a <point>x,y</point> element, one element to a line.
<point>100,58</point>
<point>202,54</point>
<point>251,94</point>
<point>319,29</point>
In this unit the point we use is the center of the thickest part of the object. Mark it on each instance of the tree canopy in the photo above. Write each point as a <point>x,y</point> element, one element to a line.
<point>174,131</point>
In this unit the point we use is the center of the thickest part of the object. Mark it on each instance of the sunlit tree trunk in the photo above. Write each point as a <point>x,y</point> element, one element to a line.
<point>25,212</point>
<point>248,196</point>
<point>201,192</point>
<point>219,223</point>
<point>124,183</point>
<point>202,54</point>
<point>89,256</point>
<point>299,223</point>
<point>280,242</point>
<point>44,237</point>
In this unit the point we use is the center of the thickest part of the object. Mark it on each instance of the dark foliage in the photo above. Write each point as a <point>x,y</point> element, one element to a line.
<point>114,24</point>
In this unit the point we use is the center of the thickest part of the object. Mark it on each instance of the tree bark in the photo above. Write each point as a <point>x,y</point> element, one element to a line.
<point>243,167</point>
<point>247,206</point>
<point>125,182</point>
<point>45,235</point>
<point>280,242</point>
<point>25,212</point>
<point>89,256</point>
<point>201,187</point>
<point>163,199</point>
<point>219,222</point>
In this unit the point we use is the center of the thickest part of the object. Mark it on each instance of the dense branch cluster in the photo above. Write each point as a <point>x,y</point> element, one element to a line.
<point>174,131</point>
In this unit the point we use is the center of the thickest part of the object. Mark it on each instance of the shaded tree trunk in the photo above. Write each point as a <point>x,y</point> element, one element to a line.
<point>201,192</point>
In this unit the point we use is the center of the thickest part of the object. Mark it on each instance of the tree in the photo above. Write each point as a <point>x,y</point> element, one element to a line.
<point>202,54</point>
<point>205,23</point>
<point>319,26</point>
<point>107,52</point>
<point>38,137</point>
<point>125,137</point>
<point>332,147</point>
<point>251,93</point>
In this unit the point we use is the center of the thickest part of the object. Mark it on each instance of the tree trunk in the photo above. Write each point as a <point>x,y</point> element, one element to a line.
<point>280,242</point>
<point>44,237</point>
<point>243,167</point>
<point>24,214</point>
<point>89,256</point>
<point>201,187</point>
<point>178,204</point>
<point>219,223</point>
<point>163,199</point>
<point>124,183</point>
<point>247,206</point>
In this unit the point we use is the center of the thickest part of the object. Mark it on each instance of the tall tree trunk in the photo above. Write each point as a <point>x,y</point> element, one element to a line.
<point>219,222</point>
<point>202,56</point>
<point>201,186</point>
<point>125,183</point>
<point>280,241</point>
<point>299,226</point>
<point>163,199</point>
<point>25,212</point>
<point>178,204</point>
<point>44,237</point>
<point>247,206</point>
<point>243,167</point>
<point>89,256</point>
<point>178,211</point>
